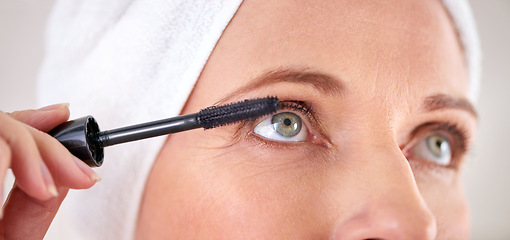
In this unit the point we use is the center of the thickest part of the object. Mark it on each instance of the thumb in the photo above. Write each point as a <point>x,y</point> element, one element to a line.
<point>45,118</point>
<point>26,217</point>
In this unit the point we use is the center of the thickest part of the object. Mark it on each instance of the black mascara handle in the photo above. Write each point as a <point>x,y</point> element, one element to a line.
<point>79,136</point>
<point>84,140</point>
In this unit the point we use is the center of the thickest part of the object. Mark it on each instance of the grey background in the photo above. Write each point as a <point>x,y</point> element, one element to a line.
<point>487,174</point>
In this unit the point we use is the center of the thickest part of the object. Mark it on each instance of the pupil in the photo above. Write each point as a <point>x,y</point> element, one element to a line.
<point>286,124</point>
<point>438,143</point>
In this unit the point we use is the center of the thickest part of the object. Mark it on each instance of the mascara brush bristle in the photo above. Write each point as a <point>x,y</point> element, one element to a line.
<point>212,117</point>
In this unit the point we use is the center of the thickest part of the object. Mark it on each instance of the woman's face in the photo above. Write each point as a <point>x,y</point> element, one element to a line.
<point>369,144</point>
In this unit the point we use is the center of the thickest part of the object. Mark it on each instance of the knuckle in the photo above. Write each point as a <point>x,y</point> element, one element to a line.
<point>20,134</point>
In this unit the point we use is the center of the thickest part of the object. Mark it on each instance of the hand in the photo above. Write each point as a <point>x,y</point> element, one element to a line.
<point>44,170</point>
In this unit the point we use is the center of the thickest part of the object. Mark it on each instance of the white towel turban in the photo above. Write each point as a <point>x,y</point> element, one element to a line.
<point>132,61</point>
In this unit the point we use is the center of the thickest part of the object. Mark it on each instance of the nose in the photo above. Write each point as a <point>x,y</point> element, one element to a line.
<point>388,204</point>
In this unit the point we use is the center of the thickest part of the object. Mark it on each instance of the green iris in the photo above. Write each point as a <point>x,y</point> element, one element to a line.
<point>287,124</point>
<point>438,145</point>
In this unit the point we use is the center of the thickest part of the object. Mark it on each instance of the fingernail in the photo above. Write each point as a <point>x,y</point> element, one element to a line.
<point>52,190</point>
<point>48,180</point>
<point>54,107</point>
<point>87,170</point>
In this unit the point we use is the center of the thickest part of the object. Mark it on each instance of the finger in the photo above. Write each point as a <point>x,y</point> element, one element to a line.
<point>66,170</point>
<point>26,162</point>
<point>45,118</point>
<point>26,217</point>
<point>5,159</point>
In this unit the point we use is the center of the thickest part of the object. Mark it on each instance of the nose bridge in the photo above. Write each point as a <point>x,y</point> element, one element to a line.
<point>388,202</point>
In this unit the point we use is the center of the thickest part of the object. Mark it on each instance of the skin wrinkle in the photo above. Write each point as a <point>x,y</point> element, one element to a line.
<point>432,103</point>
<point>379,82</point>
<point>430,107</point>
<point>265,170</point>
<point>233,148</point>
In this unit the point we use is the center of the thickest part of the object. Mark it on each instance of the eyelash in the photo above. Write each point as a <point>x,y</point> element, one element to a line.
<point>300,106</point>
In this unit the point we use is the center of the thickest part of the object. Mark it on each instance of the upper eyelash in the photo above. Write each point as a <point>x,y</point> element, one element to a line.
<point>300,106</point>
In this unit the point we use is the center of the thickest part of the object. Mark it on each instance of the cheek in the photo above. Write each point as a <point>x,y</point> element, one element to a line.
<point>442,191</point>
<point>222,191</point>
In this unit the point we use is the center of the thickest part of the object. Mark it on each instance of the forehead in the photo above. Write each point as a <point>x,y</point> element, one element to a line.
<point>405,48</point>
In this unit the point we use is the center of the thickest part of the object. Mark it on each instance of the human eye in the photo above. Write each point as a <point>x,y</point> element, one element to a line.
<point>283,126</point>
<point>439,143</point>
<point>289,124</point>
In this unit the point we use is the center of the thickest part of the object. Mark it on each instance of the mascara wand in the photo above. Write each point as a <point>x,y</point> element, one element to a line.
<point>84,140</point>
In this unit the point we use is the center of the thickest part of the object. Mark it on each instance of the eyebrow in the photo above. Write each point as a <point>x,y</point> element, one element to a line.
<point>323,83</point>
<point>443,101</point>
<point>330,85</point>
